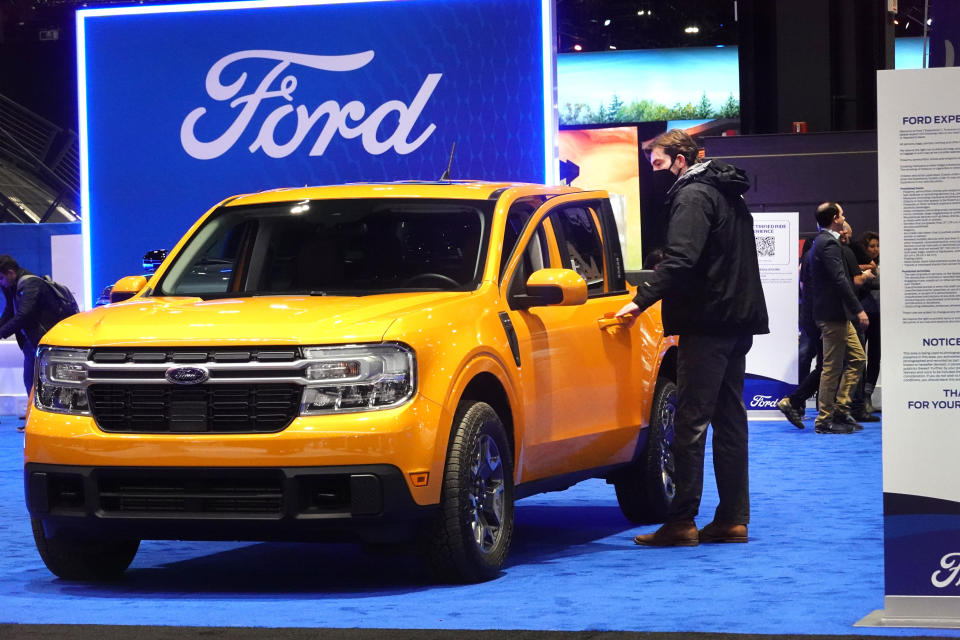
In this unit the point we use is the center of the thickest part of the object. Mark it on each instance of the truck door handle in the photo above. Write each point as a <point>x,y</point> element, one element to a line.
<point>609,320</point>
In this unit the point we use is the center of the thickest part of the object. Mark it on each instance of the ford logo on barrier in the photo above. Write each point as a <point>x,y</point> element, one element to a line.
<point>763,402</point>
<point>187,375</point>
<point>950,565</point>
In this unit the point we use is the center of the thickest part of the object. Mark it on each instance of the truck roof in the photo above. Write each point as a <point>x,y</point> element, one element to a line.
<point>455,189</point>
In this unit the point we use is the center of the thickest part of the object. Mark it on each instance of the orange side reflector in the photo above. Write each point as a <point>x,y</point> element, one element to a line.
<point>420,478</point>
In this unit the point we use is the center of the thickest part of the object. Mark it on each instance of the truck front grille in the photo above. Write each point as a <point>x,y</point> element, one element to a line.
<point>208,408</point>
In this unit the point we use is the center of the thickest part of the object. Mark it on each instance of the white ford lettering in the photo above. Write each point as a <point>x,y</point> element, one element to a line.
<point>350,120</point>
<point>763,402</point>
<point>950,571</point>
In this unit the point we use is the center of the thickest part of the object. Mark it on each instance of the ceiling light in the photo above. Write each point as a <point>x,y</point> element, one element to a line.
<point>692,30</point>
<point>606,22</point>
<point>895,21</point>
<point>929,21</point>
<point>613,47</point>
<point>906,26</point>
<point>577,47</point>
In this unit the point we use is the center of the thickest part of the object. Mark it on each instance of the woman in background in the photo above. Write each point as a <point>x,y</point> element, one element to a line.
<point>867,249</point>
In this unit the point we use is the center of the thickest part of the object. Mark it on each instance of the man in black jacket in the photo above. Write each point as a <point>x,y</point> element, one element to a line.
<point>30,310</point>
<point>835,305</point>
<point>709,281</point>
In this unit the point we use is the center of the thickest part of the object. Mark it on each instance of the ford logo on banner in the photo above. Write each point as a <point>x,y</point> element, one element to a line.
<point>281,93</point>
<point>324,120</point>
<point>187,375</point>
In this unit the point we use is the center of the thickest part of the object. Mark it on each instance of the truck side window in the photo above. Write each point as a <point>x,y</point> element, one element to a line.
<point>520,211</point>
<point>535,256</point>
<point>580,246</point>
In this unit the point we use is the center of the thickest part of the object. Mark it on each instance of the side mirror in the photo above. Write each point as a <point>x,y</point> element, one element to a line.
<point>546,287</point>
<point>127,288</point>
<point>153,259</point>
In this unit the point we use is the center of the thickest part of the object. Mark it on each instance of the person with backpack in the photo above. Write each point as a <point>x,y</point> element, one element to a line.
<point>32,306</point>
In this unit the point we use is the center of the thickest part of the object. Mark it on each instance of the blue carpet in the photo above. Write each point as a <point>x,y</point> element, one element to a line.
<point>814,563</point>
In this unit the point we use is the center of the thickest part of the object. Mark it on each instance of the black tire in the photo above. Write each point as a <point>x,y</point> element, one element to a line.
<point>470,536</point>
<point>645,489</point>
<point>79,559</point>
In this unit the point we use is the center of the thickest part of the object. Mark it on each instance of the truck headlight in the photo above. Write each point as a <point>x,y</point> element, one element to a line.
<point>61,380</point>
<point>357,378</point>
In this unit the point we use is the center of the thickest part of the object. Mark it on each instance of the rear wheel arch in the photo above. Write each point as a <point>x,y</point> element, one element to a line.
<point>668,364</point>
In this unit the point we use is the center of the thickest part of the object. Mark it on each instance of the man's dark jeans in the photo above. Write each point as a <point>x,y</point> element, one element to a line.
<point>710,372</point>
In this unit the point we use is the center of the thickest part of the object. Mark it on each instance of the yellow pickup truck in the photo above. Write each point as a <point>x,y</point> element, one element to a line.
<point>387,363</point>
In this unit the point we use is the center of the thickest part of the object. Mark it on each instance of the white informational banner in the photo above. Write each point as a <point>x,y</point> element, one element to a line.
<point>918,128</point>
<point>66,263</point>
<point>13,399</point>
<point>772,362</point>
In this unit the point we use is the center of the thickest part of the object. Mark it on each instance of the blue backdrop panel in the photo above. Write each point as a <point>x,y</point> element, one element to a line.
<point>181,108</point>
<point>944,34</point>
<point>29,244</point>
<point>921,555</point>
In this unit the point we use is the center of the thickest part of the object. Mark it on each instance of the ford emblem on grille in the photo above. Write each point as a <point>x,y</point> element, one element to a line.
<point>187,375</point>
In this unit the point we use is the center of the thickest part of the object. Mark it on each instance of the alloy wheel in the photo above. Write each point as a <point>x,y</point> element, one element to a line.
<point>486,494</point>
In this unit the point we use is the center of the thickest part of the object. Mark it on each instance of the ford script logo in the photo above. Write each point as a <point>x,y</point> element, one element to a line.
<point>271,99</point>
<point>763,402</point>
<point>187,375</point>
<point>948,573</point>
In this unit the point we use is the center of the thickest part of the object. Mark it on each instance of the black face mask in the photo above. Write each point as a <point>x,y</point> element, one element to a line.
<point>661,182</point>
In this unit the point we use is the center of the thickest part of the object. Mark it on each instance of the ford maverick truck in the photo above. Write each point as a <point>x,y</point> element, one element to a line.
<point>382,362</point>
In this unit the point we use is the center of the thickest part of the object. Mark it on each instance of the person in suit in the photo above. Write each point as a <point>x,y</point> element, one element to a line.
<point>835,308</point>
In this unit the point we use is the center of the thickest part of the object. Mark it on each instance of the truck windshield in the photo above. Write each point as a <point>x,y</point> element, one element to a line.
<point>334,247</point>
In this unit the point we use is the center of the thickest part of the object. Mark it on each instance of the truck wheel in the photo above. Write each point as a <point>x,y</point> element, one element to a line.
<point>645,489</point>
<point>76,559</point>
<point>470,536</point>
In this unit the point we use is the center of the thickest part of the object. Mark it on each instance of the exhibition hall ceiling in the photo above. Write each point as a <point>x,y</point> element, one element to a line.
<point>598,25</point>
<point>582,25</point>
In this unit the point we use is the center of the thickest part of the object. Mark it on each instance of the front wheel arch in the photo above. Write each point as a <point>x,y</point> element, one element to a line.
<point>486,387</point>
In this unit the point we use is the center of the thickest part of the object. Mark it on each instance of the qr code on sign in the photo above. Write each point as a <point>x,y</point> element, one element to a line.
<point>766,246</point>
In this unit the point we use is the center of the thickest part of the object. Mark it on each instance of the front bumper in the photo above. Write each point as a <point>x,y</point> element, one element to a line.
<point>410,438</point>
<point>370,503</point>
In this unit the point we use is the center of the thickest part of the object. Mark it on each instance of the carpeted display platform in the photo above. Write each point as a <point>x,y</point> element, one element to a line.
<point>103,632</point>
<point>814,565</point>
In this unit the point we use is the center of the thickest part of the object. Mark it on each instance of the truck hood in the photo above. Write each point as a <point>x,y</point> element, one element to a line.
<point>158,321</point>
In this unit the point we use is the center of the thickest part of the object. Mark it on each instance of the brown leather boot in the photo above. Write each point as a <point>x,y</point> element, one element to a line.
<point>673,534</point>
<point>723,532</point>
